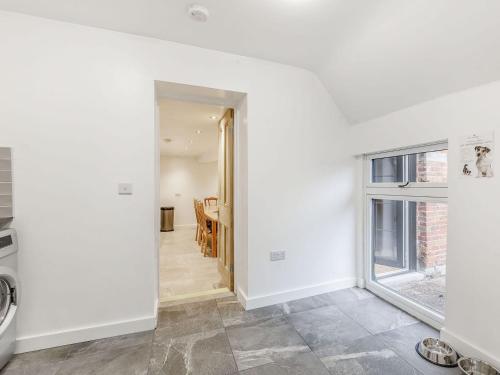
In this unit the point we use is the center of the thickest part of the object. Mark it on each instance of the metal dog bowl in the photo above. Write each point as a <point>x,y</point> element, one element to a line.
<point>472,366</point>
<point>437,352</point>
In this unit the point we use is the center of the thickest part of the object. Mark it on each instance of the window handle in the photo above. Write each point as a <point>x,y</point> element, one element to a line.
<point>404,185</point>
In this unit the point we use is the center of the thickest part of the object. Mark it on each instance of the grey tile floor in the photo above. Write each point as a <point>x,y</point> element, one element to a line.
<point>349,332</point>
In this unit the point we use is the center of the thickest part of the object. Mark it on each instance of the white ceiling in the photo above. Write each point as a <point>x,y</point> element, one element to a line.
<point>180,122</point>
<point>374,56</point>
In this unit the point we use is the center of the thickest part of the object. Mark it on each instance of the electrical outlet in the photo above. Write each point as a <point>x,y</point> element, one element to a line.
<point>277,255</point>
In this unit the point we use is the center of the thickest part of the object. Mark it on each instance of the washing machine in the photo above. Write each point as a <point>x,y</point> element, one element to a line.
<point>9,294</point>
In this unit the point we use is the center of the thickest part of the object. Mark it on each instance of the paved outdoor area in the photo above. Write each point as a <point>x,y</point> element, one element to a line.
<point>349,332</point>
<point>429,291</point>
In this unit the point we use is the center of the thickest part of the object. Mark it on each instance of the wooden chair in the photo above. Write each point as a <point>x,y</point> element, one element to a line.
<point>199,214</point>
<point>205,230</point>
<point>197,237</point>
<point>210,200</point>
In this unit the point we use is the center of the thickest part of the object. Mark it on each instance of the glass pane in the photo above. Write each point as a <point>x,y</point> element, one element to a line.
<point>423,167</point>
<point>388,169</point>
<point>412,259</point>
<point>387,233</point>
<point>4,299</point>
<point>428,167</point>
<point>431,237</point>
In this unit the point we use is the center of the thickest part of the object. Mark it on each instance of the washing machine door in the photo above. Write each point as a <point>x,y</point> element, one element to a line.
<point>9,295</point>
<point>6,299</point>
<point>8,308</point>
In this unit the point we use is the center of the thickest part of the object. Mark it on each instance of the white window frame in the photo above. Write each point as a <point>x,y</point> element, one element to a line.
<point>416,192</point>
<point>398,152</point>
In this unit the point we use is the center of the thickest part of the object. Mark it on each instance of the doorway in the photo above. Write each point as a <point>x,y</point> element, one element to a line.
<point>196,195</point>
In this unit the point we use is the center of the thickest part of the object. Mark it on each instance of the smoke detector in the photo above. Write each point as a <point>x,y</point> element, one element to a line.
<point>198,13</point>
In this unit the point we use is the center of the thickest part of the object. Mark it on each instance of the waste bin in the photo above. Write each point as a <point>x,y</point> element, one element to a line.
<point>167,219</point>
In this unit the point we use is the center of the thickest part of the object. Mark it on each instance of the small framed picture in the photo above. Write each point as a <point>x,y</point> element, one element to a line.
<point>477,154</point>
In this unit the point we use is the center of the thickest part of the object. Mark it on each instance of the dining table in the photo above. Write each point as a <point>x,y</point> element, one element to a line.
<point>212,214</point>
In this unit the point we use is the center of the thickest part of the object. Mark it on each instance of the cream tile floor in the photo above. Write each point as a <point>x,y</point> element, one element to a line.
<point>183,268</point>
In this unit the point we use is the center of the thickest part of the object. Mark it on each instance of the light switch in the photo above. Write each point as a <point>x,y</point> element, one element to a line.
<point>277,255</point>
<point>125,189</point>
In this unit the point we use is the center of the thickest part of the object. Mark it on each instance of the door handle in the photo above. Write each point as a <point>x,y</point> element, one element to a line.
<point>404,185</point>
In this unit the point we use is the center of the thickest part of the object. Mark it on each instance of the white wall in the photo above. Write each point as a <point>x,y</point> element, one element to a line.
<point>181,180</point>
<point>77,107</point>
<point>473,261</point>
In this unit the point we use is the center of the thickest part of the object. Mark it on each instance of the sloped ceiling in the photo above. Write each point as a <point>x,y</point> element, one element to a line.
<point>374,56</point>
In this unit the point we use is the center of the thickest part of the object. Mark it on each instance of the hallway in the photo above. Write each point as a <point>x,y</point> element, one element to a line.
<point>184,271</point>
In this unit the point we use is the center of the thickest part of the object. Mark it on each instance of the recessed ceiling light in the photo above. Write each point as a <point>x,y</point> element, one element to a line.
<point>198,13</point>
<point>213,117</point>
<point>198,131</point>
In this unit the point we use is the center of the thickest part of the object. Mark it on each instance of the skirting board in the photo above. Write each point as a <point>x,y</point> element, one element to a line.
<point>289,295</point>
<point>467,349</point>
<point>73,336</point>
<point>242,297</point>
<point>361,283</point>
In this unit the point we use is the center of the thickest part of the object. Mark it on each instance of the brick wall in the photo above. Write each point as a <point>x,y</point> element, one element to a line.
<point>432,240</point>
<point>432,218</point>
<point>432,167</point>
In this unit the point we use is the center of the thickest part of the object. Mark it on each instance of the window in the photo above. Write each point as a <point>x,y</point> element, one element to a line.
<point>407,218</point>
<point>419,167</point>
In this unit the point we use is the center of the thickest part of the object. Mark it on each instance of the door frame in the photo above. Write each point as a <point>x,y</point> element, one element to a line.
<point>238,102</point>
